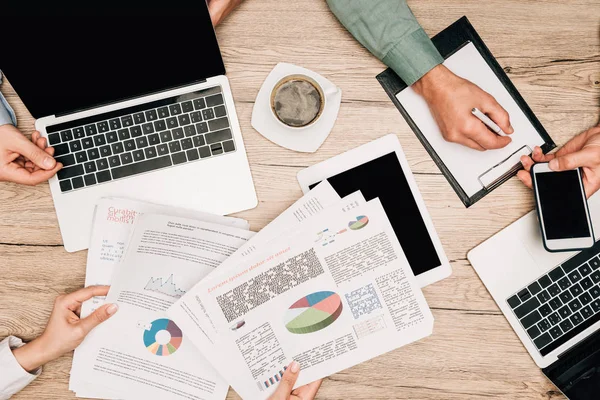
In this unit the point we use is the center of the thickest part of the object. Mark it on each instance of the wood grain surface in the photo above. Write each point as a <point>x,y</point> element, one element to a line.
<point>551,51</point>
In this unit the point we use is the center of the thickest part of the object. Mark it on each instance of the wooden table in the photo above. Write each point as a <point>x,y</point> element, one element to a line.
<point>551,51</point>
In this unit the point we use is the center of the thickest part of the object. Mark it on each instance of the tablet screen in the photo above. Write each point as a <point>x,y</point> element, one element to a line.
<point>383,177</point>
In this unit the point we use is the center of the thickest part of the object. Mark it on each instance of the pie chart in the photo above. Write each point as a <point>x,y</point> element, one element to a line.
<point>163,338</point>
<point>313,312</point>
<point>361,222</point>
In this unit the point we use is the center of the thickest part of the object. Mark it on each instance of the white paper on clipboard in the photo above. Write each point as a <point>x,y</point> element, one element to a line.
<point>465,164</point>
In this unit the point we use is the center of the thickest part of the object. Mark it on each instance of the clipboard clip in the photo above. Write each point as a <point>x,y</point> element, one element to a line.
<point>506,167</point>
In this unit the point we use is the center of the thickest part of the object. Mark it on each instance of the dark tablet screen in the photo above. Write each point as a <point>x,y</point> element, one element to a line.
<point>383,177</point>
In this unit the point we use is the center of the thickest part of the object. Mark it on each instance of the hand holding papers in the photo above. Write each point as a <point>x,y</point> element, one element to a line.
<point>114,222</point>
<point>325,284</point>
<point>335,292</point>
<point>150,356</point>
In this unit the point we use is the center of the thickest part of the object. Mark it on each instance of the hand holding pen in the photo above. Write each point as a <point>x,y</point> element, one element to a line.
<point>451,100</point>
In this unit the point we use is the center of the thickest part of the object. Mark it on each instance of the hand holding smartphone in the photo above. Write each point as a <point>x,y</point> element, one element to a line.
<point>562,209</point>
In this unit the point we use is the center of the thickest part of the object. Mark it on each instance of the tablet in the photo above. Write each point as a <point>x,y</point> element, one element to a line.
<point>379,169</point>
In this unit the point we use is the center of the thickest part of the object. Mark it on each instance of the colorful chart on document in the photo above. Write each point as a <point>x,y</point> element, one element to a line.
<point>313,312</point>
<point>163,338</point>
<point>360,223</point>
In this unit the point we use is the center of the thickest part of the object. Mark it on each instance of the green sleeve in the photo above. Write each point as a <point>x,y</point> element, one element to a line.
<point>390,31</point>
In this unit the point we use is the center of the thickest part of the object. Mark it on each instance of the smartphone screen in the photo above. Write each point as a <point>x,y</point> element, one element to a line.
<point>563,209</point>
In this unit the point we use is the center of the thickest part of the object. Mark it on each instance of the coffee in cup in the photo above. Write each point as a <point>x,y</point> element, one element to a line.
<point>297,101</point>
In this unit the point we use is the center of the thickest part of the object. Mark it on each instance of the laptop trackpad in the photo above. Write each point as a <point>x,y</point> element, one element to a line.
<point>532,239</point>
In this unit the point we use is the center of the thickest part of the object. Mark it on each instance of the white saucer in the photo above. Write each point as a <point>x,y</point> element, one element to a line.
<point>305,139</point>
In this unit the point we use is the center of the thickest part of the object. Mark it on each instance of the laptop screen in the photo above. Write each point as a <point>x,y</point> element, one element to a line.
<point>60,60</point>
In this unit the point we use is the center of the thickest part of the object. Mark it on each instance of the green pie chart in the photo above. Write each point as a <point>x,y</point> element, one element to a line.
<point>313,312</point>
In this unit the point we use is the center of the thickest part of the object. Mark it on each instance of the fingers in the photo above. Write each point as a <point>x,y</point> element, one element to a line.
<point>287,382</point>
<point>575,144</point>
<point>87,293</point>
<point>216,9</point>
<point>472,144</point>
<point>219,9</point>
<point>590,186</point>
<point>536,157</point>
<point>498,114</point>
<point>308,392</point>
<point>16,173</point>
<point>72,301</point>
<point>35,154</point>
<point>35,136</point>
<point>539,156</point>
<point>42,143</point>
<point>97,317</point>
<point>525,177</point>
<point>486,138</point>
<point>20,161</point>
<point>460,138</point>
<point>587,157</point>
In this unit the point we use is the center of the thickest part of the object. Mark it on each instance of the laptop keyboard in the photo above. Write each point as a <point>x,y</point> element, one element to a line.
<point>562,303</point>
<point>143,138</point>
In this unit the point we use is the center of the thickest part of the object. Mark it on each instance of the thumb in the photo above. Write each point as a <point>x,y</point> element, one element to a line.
<point>32,152</point>
<point>284,390</point>
<point>582,158</point>
<point>97,317</point>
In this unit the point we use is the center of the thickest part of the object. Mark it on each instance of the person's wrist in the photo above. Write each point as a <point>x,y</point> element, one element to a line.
<point>6,127</point>
<point>33,355</point>
<point>430,81</point>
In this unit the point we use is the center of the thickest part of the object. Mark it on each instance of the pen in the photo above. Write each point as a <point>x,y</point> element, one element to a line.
<point>488,122</point>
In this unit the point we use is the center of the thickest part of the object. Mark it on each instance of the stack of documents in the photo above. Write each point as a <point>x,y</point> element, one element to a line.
<point>155,235</point>
<point>326,284</point>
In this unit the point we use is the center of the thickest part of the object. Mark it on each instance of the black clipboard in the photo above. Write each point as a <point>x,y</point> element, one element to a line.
<point>449,41</point>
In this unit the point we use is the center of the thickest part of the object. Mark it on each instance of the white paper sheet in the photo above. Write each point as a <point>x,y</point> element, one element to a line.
<point>464,163</point>
<point>348,267</point>
<point>191,314</point>
<point>139,352</point>
<point>114,221</point>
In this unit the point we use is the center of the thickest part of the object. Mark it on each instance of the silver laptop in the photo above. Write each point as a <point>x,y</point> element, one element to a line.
<point>136,104</point>
<point>552,300</point>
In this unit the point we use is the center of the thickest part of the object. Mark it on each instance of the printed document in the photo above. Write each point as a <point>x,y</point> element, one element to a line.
<point>336,292</point>
<point>114,221</point>
<point>139,352</point>
<point>190,312</point>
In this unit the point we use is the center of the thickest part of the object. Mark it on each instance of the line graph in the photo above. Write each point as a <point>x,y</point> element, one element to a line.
<point>168,287</point>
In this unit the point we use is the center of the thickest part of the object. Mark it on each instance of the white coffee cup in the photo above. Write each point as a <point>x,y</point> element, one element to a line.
<point>308,135</point>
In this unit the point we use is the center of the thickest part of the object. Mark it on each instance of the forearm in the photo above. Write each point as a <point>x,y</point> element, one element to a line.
<point>32,355</point>
<point>389,30</point>
<point>13,376</point>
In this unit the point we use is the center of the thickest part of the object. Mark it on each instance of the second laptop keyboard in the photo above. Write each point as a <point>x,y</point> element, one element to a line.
<point>562,303</point>
<point>142,138</point>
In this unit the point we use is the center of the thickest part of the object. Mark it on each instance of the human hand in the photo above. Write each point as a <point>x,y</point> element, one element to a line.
<point>219,9</point>
<point>23,161</point>
<point>65,330</point>
<point>581,151</point>
<point>284,390</point>
<point>451,99</point>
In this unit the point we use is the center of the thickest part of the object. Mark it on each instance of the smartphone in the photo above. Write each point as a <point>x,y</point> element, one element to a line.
<point>562,209</point>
